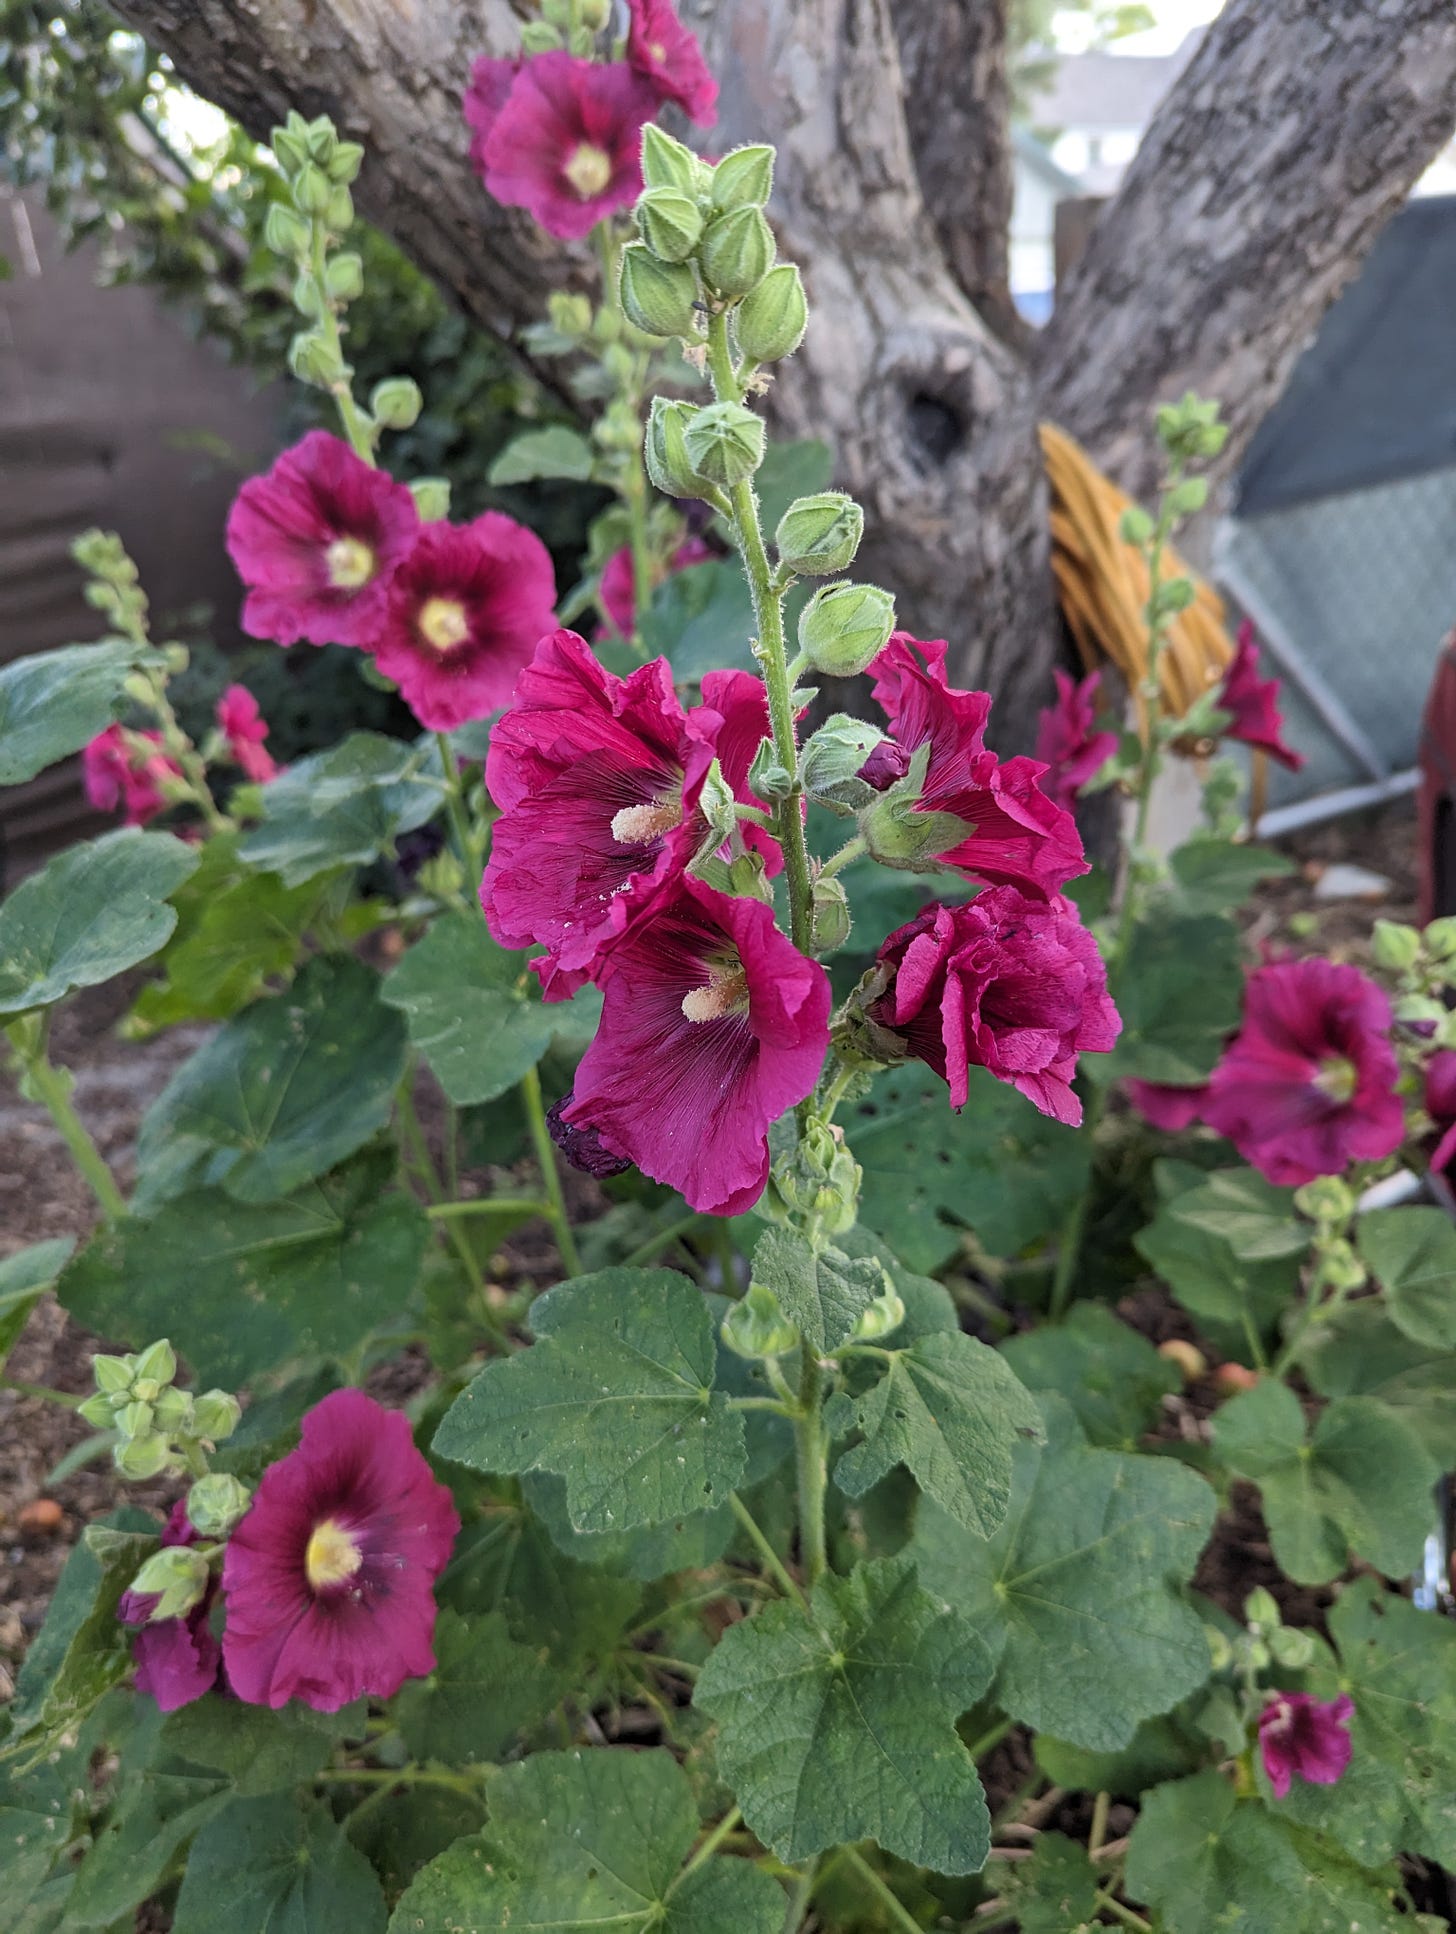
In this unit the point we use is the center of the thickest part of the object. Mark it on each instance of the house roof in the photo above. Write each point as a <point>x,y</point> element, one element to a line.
<point>1039,160</point>
<point>1102,91</point>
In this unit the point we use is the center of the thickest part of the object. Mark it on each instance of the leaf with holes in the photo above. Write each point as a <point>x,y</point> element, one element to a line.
<point>269,1865</point>
<point>823,1292</point>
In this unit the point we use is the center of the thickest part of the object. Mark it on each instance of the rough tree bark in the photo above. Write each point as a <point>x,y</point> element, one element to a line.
<point>1263,180</point>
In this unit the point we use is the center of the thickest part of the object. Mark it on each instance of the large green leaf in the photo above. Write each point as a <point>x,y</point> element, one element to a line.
<point>1412,1253</point>
<point>555,451</point>
<point>1079,1592</point>
<point>1180,995</point>
<point>282,1093</point>
<point>343,807</point>
<point>154,1816</point>
<point>839,1725</point>
<point>701,620</point>
<point>1358,1352</point>
<point>88,915</point>
<point>474,1011</point>
<point>484,1692</point>
<point>53,704</point>
<point>796,469</point>
<point>1215,875</point>
<point>242,1287</point>
<point>647,1552</point>
<point>256,1750</point>
<point>273,1866</point>
<point>1211,1864</point>
<point>1360,1481</point>
<point>82,1651</point>
<point>615,1396</point>
<point>822,1291</point>
<point>581,1842</point>
<point>1055,1891</point>
<point>930,1173</point>
<point>952,1412</point>
<point>24,1279</point>
<point>1113,1378</point>
<point>1230,1254</point>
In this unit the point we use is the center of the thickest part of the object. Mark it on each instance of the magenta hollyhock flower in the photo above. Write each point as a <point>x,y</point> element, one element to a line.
<point>1067,740</point>
<point>1019,837</point>
<point>177,1659</point>
<point>486,93</point>
<point>1440,1101</point>
<point>317,541</point>
<point>598,779</point>
<point>617,592</point>
<point>1006,983</point>
<point>1307,1085</point>
<point>329,1578</point>
<point>245,728</point>
<point>1254,703</point>
<point>117,771</point>
<point>667,54</point>
<point>712,1025</point>
<point>567,143</point>
<point>466,610</point>
<point>1299,1734</point>
<point>1166,1107</point>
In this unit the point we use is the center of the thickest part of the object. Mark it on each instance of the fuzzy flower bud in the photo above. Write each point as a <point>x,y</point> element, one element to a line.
<point>1440,938</point>
<point>831,923</point>
<point>345,162</point>
<point>176,1576</point>
<point>819,535</point>
<point>344,276</point>
<point>396,402</point>
<point>658,296</point>
<point>744,178</point>
<point>831,761</point>
<point>312,359</point>
<point>737,251</point>
<point>1394,947</point>
<point>139,1458</point>
<point>772,318</point>
<point>312,189</point>
<point>725,443</point>
<point>885,1314</point>
<point>216,1503</point>
<point>669,222</point>
<point>1327,1199</point>
<point>215,1415</point>
<point>666,163</point>
<point>98,1410</point>
<point>157,1364</point>
<point>821,1179</point>
<point>666,451</point>
<point>757,1327</point>
<point>113,1374</point>
<point>285,231</point>
<point>432,498</point>
<point>844,626</point>
<point>1261,1610</point>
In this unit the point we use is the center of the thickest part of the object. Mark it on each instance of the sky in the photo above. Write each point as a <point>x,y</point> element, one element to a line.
<point>1175,17</point>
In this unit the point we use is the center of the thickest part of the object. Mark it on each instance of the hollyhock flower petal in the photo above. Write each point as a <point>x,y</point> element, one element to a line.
<point>466,609</point>
<point>1067,741</point>
<point>245,728</point>
<point>1165,1107</point>
<point>1440,1103</point>
<point>666,53</point>
<point>118,773</point>
<point>1301,1736</point>
<point>1307,1085</point>
<point>1254,703</point>
<point>329,1578</point>
<point>567,143</point>
<point>1020,837</point>
<point>617,591</point>
<point>317,541</point>
<point>177,1659</point>
<point>713,1025</point>
<point>1007,983</point>
<point>486,94</point>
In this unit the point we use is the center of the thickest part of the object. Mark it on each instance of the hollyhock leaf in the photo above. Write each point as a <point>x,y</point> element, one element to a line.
<point>255,1749</point>
<point>1216,875</point>
<point>484,1692</point>
<point>418,1823</point>
<point>282,1093</point>
<point>1211,1864</point>
<point>308,1276</point>
<point>822,1292</point>
<point>789,471</point>
<point>342,807</point>
<point>929,1307</point>
<point>37,1809</point>
<point>1412,1254</point>
<point>556,451</point>
<point>58,701</point>
<point>1111,1376</point>
<point>89,914</point>
<point>579,1841</point>
<point>952,1412</point>
<point>1056,1890</point>
<point>929,1173</point>
<point>1087,1531</point>
<point>701,619</point>
<point>1180,995</point>
<point>615,1396</point>
<point>1232,1296</point>
<point>474,1011</point>
<point>153,1817</point>
<point>1254,1218</point>
<point>840,1725</point>
<point>1358,1352</point>
<point>1361,1482</point>
<point>649,1552</point>
<point>1161,1749</point>
<point>24,1279</point>
<point>271,1864</point>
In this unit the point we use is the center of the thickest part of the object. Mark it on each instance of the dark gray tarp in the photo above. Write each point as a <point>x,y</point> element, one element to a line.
<point>1373,398</point>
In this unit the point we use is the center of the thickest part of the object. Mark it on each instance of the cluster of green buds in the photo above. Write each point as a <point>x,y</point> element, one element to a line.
<point>1266,1641</point>
<point>1330,1205</point>
<point>816,1183</point>
<point>572,24</point>
<point>158,1426</point>
<point>112,584</point>
<point>1423,967</point>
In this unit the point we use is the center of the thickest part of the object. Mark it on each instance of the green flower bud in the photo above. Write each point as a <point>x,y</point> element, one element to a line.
<point>885,1313</point>
<point>139,1458</point>
<point>767,779</point>
<point>1261,1610</point>
<point>1136,526</point>
<point>1293,1647</point>
<point>1327,1199</point>
<point>345,163</point>
<point>1420,1008</point>
<point>830,761</point>
<point>215,1415</point>
<point>1220,1652</point>
<point>134,1419</point>
<point>97,1410</point>
<point>322,138</point>
<point>724,443</point>
<point>172,1411</point>
<point>820,1180</point>
<point>595,14</point>
<point>1340,1267</point>
<point>666,163</point>
<point>396,402</point>
<point>443,875</point>
<point>657,296</point>
<point>819,535</point>
<point>112,1373</point>
<point>772,318</point>
<point>344,276</point>
<point>844,626</point>
<point>432,498</point>
<point>290,145</point>
<point>312,189</point>
<point>1440,938</point>
<point>1394,947</point>
<point>669,222</point>
<point>157,1363</point>
<point>737,251</point>
<point>899,834</point>
<point>1258,1655</point>
<point>540,37</point>
<point>831,923</point>
<point>757,1327</point>
<point>176,1576</point>
<point>666,452</point>
<point>216,1502</point>
<point>341,210</point>
<point>285,231</point>
<point>312,359</point>
<point>743,178</point>
<point>571,315</point>
<point>308,299</point>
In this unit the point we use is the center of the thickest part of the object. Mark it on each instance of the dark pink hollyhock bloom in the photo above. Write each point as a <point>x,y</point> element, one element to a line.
<point>598,779</point>
<point>1067,741</point>
<point>1165,1107</point>
<point>1254,702</point>
<point>713,1024</point>
<point>617,591</point>
<point>1005,983</point>
<point>317,541</point>
<point>329,1578</point>
<point>667,54</point>
<point>1307,1085</point>
<point>177,1659</point>
<point>1300,1734</point>
<point>245,728</point>
<point>118,773</point>
<point>1020,837</point>
<point>567,144</point>
<point>466,610</point>
<point>486,94</point>
<point>1440,1099</point>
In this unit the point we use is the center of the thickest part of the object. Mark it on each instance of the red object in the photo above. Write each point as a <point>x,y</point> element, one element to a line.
<point>666,54</point>
<point>245,728</point>
<point>1436,800</point>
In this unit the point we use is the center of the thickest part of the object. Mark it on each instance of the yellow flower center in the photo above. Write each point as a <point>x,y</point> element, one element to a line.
<point>658,51</point>
<point>589,170</point>
<point>1337,1078</point>
<point>350,563</point>
<point>443,623</point>
<point>637,825</point>
<point>331,1557</point>
<point>725,993</point>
